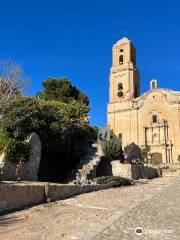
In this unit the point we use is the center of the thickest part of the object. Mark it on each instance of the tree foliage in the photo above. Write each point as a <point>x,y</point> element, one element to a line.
<point>61,89</point>
<point>13,149</point>
<point>12,83</point>
<point>133,152</point>
<point>58,114</point>
<point>62,127</point>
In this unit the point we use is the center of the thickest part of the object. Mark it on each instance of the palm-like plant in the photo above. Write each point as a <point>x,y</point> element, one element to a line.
<point>112,148</point>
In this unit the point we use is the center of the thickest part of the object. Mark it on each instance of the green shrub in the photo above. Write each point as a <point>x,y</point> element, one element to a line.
<point>133,152</point>
<point>13,149</point>
<point>62,127</point>
<point>137,161</point>
<point>112,148</point>
<point>16,150</point>
<point>116,181</point>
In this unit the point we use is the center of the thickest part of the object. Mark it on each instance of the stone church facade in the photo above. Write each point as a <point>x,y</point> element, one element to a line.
<point>151,120</point>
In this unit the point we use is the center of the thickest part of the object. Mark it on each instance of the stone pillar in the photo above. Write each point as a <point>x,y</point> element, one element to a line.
<point>30,170</point>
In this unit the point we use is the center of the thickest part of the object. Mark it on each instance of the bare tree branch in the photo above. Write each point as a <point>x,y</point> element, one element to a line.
<point>13,82</point>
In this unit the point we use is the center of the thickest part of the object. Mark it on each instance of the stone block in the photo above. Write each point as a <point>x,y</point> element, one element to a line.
<point>132,171</point>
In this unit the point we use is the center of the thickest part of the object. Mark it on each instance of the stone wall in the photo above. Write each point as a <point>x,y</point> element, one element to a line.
<point>13,195</point>
<point>133,172</point>
<point>17,195</point>
<point>150,172</point>
<point>122,170</point>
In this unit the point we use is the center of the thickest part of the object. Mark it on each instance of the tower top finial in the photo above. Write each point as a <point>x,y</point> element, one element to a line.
<point>153,84</point>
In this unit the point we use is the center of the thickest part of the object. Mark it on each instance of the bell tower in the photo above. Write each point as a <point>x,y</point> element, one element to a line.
<point>124,76</point>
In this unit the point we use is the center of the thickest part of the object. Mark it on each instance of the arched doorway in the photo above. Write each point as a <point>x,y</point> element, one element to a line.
<point>157,158</point>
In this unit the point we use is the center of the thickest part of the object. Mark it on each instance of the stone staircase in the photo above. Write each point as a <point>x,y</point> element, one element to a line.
<point>86,169</point>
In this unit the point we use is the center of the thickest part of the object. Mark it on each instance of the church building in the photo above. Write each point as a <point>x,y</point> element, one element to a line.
<point>149,120</point>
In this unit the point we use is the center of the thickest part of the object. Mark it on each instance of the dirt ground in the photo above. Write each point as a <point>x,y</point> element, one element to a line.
<point>89,216</point>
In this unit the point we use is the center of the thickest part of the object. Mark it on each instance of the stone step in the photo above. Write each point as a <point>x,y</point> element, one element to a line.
<point>86,169</point>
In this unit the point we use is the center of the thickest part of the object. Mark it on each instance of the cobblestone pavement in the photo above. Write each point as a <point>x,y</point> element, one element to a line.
<point>103,215</point>
<point>159,217</point>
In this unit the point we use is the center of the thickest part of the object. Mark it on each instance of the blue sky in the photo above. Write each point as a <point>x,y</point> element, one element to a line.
<point>74,38</point>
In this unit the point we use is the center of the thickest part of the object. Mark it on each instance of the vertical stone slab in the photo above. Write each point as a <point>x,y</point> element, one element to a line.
<point>30,169</point>
<point>121,170</point>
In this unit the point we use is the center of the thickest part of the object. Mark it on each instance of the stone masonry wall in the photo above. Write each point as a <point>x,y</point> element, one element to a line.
<point>17,195</point>
<point>122,170</point>
<point>133,172</point>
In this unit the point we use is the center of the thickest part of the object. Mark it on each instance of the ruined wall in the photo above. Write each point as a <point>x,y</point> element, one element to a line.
<point>133,172</point>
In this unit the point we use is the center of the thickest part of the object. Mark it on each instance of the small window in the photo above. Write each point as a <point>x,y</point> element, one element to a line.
<point>121,59</point>
<point>154,118</point>
<point>121,50</point>
<point>120,86</point>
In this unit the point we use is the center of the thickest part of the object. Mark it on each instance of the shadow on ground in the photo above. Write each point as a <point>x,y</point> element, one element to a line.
<point>7,220</point>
